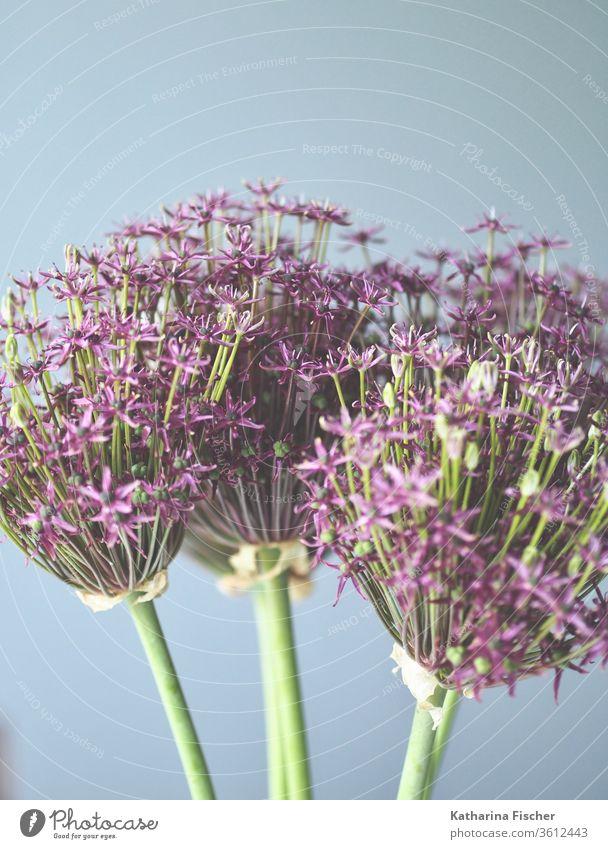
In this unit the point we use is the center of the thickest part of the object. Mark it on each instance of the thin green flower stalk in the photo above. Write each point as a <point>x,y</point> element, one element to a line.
<point>451,700</point>
<point>418,759</point>
<point>190,751</point>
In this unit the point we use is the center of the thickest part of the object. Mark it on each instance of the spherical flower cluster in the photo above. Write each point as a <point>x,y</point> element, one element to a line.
<point>469,501</point>
<point>101,419</point>
<point>301,316</point>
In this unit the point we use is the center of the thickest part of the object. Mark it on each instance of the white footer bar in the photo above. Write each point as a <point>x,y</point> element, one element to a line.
<point>351,824</point>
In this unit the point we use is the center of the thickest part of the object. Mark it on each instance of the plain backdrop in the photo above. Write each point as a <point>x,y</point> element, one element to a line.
<point>426,114</point>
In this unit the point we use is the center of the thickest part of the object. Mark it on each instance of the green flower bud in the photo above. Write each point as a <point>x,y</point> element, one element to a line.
<point>140,496</point>
<point>11,348</point>
<point>455,654</point>
<point>397,365</point>
<point>7,307</point>
<point>482,665</point>
<point>597,420</point>
<point>281,449</point>
<point>471,456</point>
<point>362,548</point>
<point>483,375</point>
<point>441,426</point>
<point>529,483</point>
<point>388,396</point>
<point>573,463</point>
<point>328,537</point>
<point>18,414</point>
<point>560,654</point>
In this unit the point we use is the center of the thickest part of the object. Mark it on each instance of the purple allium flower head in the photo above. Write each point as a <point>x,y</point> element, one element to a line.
<point>297,357</point>
<point>102,419</point>
<point>468,499</point>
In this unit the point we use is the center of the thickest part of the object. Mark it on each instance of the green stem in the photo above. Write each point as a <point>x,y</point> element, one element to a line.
<point>277,779</point>
<point>450,707</point>
<point>418,755</point>
<point>286,682</point>
<point>172,696</point>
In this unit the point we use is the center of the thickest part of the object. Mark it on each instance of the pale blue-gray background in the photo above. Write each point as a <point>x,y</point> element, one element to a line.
<point>110,108</point>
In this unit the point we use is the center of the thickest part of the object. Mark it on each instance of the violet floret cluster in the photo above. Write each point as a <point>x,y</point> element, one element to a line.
<point>100,425</point>
<point>468,500</point>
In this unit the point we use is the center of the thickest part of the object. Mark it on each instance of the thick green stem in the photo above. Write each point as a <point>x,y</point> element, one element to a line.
<point>442,735</point>
<point>286,683</point>
<point>418,755</point>
<point>277,779</point>
<point>172,696</point>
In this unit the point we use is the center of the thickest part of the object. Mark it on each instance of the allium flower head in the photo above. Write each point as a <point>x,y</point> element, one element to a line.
<point>469,501</point>
<point>299,324</point>
<point>100,421</point>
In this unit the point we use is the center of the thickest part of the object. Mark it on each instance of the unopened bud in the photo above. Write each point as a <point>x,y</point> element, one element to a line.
<point>281,449</point>
<point>18,414</point>
<point>483,375</point>
<point>597,421</point>
<point>362,548</point>
<point>530,354</point>
<point>388,396</point>
<point>397,365</point>
<point>529,483</point>
<point>7,307</point>
<point>573,463</point>
<point>530,555</point>
<point>441,426</point>
<point>471,456</point>
<point>482,665</point>
<point>11,349</point>
<point>455,654</point>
